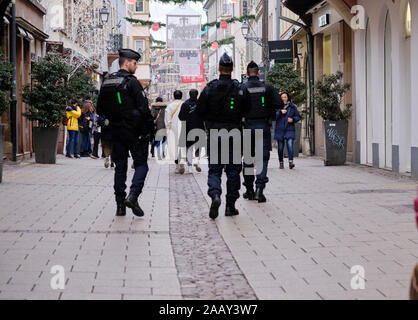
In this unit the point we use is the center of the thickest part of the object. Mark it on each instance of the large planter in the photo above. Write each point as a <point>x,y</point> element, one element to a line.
<point>45,143</point>
<point>1,150</point>
<point>335,134</point>
<point>296,142</point>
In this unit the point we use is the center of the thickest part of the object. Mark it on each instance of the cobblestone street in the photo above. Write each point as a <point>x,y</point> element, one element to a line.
<point>318,223</point>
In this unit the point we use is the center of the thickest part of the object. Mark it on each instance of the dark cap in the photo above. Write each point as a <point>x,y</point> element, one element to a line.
<point>252,65</point>
<point>129,54</point>
<point>226,61</point>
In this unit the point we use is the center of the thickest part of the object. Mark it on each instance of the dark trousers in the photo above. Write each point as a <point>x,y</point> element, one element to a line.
<point>86,143</point>
<point>96,137</point>
<point>72,141</point>
<point>289,144</point>
<point>120,153</point>
<point>262,178</point>
<point>232,171</point>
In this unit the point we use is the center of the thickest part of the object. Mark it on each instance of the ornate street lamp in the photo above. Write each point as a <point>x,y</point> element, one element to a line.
<point>104,14</point>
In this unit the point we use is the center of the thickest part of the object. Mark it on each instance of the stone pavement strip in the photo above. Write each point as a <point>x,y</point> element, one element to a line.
<point>318,223</point>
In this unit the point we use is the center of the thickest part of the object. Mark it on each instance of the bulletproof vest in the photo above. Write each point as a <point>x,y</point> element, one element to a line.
<point>259,108</point>
<point>118,106</point>
<point>224,99</point>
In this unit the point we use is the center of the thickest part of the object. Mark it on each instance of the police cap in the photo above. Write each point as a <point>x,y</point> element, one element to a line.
<point>226,61</point>
<point>129,54</point>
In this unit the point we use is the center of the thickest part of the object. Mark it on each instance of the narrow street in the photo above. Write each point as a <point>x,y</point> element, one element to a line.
<point>318,223</point>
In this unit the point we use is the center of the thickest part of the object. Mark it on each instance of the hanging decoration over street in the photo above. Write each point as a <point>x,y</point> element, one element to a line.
<point>204,27</point>
<point>228,21</point>
<point>219,42</point>
<point>155,26</point>
<point>224,24</point>
<point>214,45</point>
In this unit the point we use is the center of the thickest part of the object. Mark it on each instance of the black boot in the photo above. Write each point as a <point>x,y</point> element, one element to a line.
<point>214,208</point>
<point>249,194</point>
<point>259,196</point>
<point>120,210</point>
<point>132,202</point>
<point>230,210</point>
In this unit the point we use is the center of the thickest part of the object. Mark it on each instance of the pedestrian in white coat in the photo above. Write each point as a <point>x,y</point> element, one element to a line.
<point>173,126</point>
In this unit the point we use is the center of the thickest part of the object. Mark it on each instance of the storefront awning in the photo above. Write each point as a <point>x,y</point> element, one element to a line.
<point>300,7</point>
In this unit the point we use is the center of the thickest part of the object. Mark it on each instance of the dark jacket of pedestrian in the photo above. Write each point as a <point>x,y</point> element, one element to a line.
<point>158,112</point>
<point>284,129</point>
<point>188,113</point>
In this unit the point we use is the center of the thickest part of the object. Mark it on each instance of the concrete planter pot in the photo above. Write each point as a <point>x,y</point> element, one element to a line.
<point>2,126</point>
<point>335,135</point>
<point>296,142</point>
<point>45,143</point>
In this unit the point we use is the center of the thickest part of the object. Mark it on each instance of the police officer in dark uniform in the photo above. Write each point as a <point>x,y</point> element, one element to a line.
<point>123,102</point>
<point>221,105</point>
<point>264,101</point>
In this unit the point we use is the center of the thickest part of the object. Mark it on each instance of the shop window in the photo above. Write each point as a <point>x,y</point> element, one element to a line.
<point>140,47</point>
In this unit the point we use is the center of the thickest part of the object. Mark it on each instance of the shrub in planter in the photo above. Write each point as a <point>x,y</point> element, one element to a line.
<point>6,83</point>
<point>47,97</point>
<point>329,94</point>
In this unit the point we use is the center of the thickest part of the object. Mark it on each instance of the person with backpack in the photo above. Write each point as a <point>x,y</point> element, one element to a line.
<point>193,121</point>
<point>173,126</point>
<point>72,114</point>
<point>158,113</point>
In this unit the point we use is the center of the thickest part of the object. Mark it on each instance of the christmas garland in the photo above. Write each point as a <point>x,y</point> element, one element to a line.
<point>157,47</point>
<point>220,42</point>
<point>204,26</point>
<point>144,22</point>
<point>230,20</point>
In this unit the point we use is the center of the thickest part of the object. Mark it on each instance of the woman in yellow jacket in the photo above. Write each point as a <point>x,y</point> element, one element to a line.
<point>72,113</point>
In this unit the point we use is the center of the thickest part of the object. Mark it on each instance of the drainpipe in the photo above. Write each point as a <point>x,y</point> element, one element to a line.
<point>13,104</point>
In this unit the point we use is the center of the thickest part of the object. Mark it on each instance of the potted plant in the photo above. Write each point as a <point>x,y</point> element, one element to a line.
<point>329,94</point>
<point>284,77</point>
<point>47,97</point>
<point>6,73</point>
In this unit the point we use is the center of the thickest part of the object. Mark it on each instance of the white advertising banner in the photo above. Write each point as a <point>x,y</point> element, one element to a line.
<point>183,29</point>
<point>187,57</point>
<point>190,70</point>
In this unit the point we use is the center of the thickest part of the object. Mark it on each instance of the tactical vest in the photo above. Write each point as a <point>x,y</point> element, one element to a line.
<point>118,106</point>
<point>259,108</point>
<point>224,99</point>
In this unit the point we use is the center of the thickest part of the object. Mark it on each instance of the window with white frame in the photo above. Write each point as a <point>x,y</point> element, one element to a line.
<point>140,47</point>
<point>139,6</point>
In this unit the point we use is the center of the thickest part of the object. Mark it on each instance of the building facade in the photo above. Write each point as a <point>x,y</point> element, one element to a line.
<point>30,47</point>
<point>386,76</point>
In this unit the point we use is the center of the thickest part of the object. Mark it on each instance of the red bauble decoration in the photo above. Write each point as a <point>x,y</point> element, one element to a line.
<point>224,24</point>
<point>131,1</point>
<point>234,1</point>
<point>214,45</point>
<point>155,26</point>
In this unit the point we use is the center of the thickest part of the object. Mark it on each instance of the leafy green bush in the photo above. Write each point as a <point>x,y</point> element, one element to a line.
<point>48,94</point>
<point>6,75</point>
<point>329,94</point>
<point>284,77</point>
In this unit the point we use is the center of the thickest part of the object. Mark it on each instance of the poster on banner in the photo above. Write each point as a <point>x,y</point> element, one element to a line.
<point>187,57</point>
<point>183,29</point>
